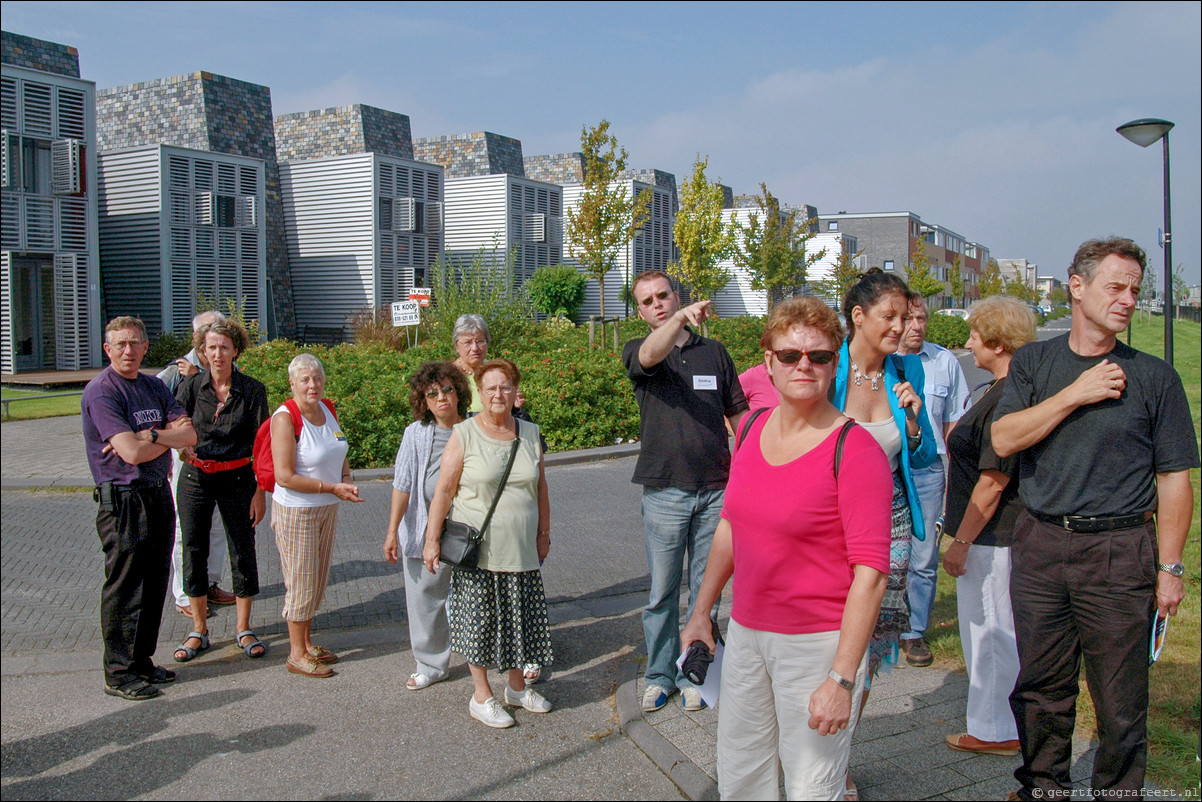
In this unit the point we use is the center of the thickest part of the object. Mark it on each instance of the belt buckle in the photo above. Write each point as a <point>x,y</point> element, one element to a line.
<point>1066,523</point>
<point>205,465</point>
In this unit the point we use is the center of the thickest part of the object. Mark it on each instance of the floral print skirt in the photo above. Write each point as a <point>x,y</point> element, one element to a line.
<point>499,619</point>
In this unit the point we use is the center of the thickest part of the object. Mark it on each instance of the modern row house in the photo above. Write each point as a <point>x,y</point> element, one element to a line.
<point>651,249</point>
<point>492,207</point>
<point>49,266</point>
<point>177,224</point>
<point>890,241</point>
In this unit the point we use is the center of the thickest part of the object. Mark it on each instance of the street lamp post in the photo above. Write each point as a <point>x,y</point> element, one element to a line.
<point>1145,132</point>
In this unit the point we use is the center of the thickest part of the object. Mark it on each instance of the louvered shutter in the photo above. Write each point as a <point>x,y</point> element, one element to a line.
<point>66,158</point>
<point>536,228</point>
<point>204,209</point>
<point>8,104</point>
<point>70,310</point>
<point>244,211</point>
<point>5,138</point>
<point>433,221</point>
<point>38,119</point>
<point>70,108</point>
<point>404,214</point>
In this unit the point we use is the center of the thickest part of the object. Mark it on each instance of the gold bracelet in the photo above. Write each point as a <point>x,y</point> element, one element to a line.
<point>320,487</point>
<point>965,542</point>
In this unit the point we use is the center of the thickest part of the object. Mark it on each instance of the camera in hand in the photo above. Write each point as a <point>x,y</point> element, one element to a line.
<point>698,658</point>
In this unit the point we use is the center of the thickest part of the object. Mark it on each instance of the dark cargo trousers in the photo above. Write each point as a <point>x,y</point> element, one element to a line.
<point>1080,595</point>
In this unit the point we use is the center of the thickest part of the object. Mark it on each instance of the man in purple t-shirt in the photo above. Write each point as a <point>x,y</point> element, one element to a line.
<point>130,422</point>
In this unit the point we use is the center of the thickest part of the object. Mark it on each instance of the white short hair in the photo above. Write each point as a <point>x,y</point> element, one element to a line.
<point>304,362</point>
<point>206,317</point>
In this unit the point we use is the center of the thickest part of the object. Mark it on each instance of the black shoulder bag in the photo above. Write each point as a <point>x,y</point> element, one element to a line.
<point>460,543</point>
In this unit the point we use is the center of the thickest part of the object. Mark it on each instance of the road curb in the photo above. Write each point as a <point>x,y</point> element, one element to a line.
<point>691,780</point>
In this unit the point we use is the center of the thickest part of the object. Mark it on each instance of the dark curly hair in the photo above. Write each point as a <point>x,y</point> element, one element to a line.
<point>437,373</point>
<point>869,289</point>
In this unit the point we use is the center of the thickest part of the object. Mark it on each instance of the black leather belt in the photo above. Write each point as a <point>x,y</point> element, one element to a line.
<point>1083,523</point>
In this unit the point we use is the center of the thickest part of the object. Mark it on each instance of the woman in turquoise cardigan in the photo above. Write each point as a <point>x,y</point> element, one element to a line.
<point>882,392</point>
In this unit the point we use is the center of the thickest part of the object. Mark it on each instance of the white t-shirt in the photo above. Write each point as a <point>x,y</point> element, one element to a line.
<point>320,452</point>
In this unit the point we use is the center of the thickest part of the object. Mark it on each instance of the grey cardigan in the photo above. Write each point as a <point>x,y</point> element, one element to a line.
<point>409,476</point>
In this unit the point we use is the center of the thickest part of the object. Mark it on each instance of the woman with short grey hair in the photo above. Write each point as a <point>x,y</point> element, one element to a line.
<point>470,338</point>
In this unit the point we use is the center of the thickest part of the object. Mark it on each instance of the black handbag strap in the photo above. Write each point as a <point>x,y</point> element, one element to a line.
<point>513,453</point>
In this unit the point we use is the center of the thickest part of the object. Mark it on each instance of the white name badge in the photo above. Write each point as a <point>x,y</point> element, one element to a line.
<point>705,382</point>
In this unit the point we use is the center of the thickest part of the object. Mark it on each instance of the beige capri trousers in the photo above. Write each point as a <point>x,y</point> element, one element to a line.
<point>304,537</point>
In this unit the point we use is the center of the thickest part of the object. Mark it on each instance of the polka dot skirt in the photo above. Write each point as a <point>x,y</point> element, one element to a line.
<point>499,619</point>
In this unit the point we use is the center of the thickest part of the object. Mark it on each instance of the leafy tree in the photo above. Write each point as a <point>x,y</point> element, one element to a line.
<point>1022,292</point>
<point>991,280</point>
<point>556,290</point>
<point>844,275</point>
<point>1180,286</point>
<point>773,249</point>
<point>702,238</point>
<point>484,286</point>
<point>1058,295</point>
<point>918,274</point>
<point>956,280</point>
<point>606,217</point>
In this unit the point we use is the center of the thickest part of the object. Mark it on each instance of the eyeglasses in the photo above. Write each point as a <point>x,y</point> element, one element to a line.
<point>502,390</point>
<point>469,343</point>
<point>446,389</point>
<point>661,295</point>
<point>791,356</point>
<point>126,345</point>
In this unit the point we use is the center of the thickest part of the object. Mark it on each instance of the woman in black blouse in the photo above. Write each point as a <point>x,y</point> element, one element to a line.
<point>227,407</point>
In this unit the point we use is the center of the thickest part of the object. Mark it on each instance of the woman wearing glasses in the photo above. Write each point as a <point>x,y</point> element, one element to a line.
<point>226,407</point>
<point>809,572</point>
<point>498,614</point>
<point>882,392</point>
<point>438,397</point>
<point>470,338</point>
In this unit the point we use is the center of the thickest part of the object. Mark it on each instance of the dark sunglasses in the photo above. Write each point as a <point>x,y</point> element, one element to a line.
<point>791,356</point>
<point>662,295</point>
<point>445,390</point>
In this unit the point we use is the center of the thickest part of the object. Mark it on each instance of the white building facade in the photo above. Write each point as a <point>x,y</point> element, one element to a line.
<point>177,224</point>
<point>49,263</point>
<point>362,230</point>
<point>499,213</point>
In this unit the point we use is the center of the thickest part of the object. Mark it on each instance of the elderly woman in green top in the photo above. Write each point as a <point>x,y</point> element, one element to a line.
<point>498,613</point>
<point>470,338</point>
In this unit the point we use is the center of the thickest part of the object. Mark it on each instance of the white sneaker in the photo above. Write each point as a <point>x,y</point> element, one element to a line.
<point>530,699</point>
<point>654,698</point>
<point>490,713</point>
<point>690,697</point>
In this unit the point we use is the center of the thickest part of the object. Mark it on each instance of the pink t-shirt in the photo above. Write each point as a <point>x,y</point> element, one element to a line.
<point>757,386</point>
<point>796,536</point>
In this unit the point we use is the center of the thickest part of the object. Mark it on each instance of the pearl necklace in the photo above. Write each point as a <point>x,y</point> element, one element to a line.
<point>859,377</point>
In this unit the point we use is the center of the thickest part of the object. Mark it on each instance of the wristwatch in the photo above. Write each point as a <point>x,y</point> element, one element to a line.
<point>1176,569</point>
<point>840,680</point>
<point>154,438</point>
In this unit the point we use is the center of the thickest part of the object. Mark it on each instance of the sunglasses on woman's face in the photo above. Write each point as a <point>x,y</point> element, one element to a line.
<point>445,390</point>
<point>791,356</point>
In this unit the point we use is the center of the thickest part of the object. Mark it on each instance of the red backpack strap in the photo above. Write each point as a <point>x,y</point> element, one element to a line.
<point>294,411</point>
<point>330,406</point>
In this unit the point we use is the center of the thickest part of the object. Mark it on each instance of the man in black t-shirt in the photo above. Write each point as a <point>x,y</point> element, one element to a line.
<point>687,388</point>
<point>1106,444</point>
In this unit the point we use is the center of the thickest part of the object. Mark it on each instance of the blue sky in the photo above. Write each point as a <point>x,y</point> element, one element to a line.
<point>995,120</point>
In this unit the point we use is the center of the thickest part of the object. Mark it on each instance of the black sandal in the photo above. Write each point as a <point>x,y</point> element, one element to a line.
<point>136,690</point>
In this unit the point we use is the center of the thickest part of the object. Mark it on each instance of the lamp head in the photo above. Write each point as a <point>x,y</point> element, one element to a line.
<point>1146,131</point>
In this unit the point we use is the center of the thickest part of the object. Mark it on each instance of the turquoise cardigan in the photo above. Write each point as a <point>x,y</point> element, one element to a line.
<point>928,450</point>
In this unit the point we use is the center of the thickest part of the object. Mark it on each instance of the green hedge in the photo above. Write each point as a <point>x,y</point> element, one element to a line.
<point>581,398</point>
<point>948,331</point>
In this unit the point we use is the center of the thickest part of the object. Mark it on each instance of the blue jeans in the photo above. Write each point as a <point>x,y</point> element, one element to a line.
<point>924,554</point>
<point>677,523</point>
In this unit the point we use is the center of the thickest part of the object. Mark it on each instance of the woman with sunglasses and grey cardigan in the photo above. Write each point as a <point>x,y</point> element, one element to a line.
<point>439,399</point>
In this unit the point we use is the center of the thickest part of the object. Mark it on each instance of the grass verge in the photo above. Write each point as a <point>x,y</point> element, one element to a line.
<point>39,407</point>
<point>1175,710</point>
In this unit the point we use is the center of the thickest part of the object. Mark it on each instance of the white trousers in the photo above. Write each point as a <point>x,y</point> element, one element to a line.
<point>218,548</point>
<point>987,635</point>
<point>763,717</point>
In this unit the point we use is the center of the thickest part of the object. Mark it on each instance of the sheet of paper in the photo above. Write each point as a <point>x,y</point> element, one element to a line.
<point>713,677</point>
